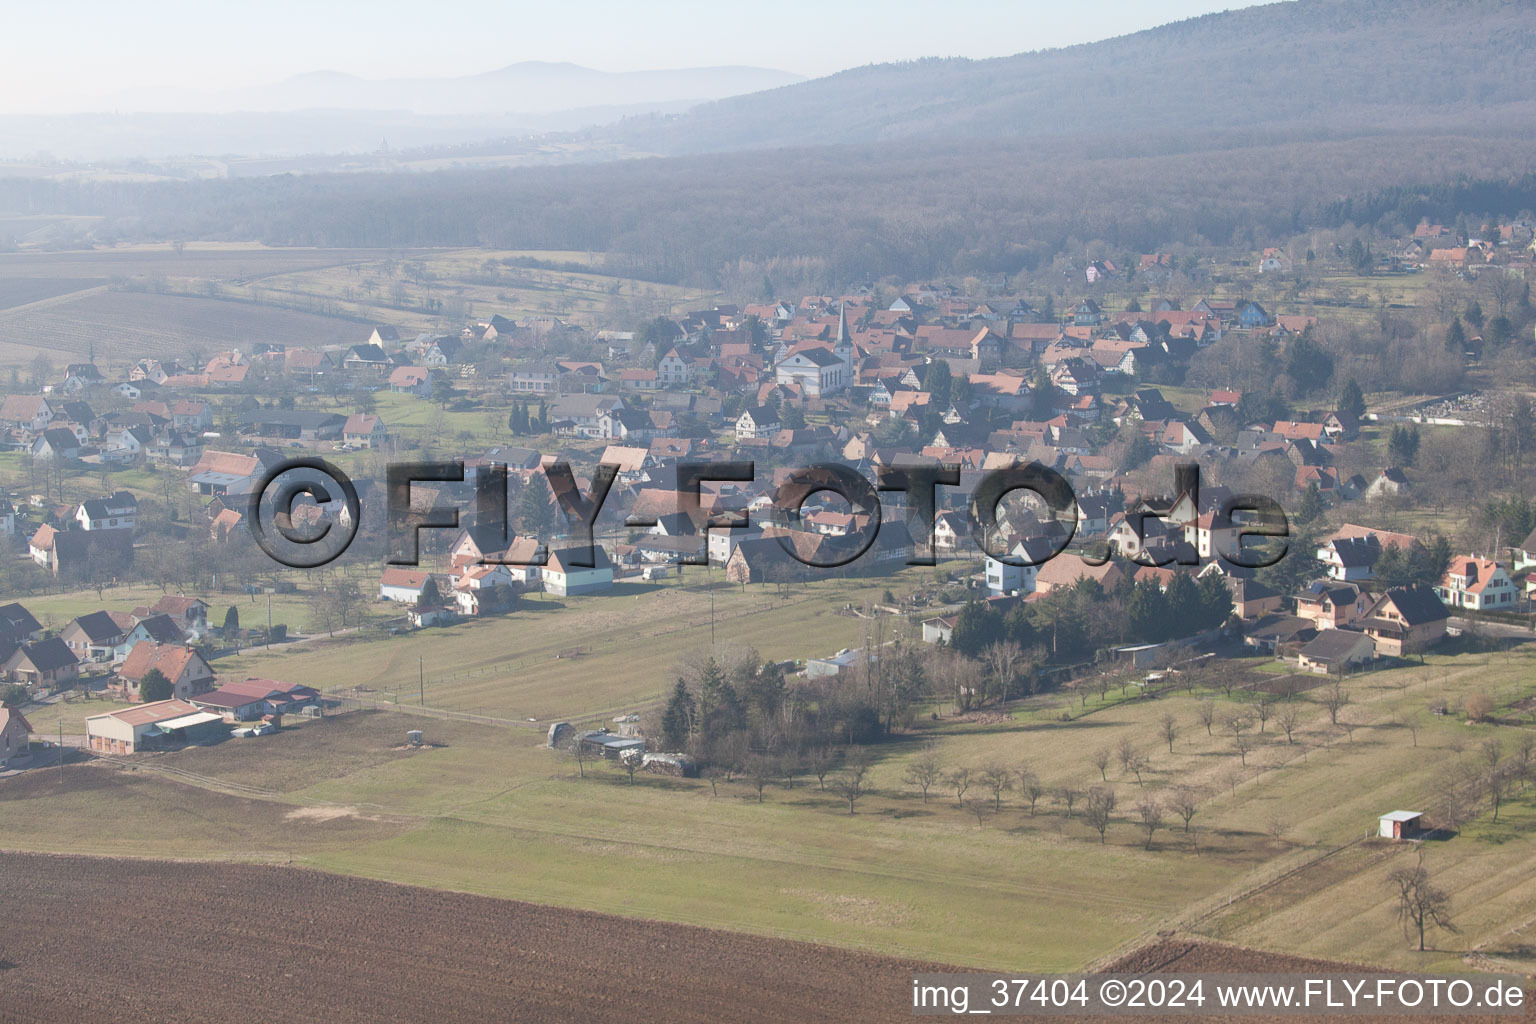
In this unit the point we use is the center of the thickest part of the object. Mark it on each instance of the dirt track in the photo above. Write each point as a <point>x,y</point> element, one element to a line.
<point>205,943</point>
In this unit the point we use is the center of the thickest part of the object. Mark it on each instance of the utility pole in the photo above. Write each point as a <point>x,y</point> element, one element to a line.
<point>421,679</point>
<point>61,750</point>
<point>269,620</point>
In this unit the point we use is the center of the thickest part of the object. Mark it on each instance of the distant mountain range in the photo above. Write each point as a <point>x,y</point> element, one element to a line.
<point>331,113</point>
<point>1305,70</point>
<point>527,87</point>
<point>1309,68</point>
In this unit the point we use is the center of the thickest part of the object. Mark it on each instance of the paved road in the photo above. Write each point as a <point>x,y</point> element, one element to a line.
<point>1498,629</point>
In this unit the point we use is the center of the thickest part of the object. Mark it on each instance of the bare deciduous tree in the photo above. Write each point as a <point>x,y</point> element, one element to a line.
<point>1334,699</point>
<point>1098,808</point>
<point>1420,903</point>
<point>849,783</point>
<point>1184,802</point>
<point>959,780</point>
<point>1031,786</point>
<point>1150,810</point>
<point>997,779</point>
<point>1170,730</point>
<point>1101,762</point>
<point>1207,713</point>
<point>1287,720</point>
<point>1068,796</point>
<point>925,772</point>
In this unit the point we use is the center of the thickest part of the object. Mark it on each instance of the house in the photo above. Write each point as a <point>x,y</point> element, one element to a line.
<point>1336,652</point>
<point>97,553</point>
<point>411,380</point>
<point>484,590</point>
<point>217,472</point>
<point>191,415</point>
<point>674,369</point>
<point>1251,315</point>
<point>116,512</point>
<point>25,412</point>
<point>47,663</point>
<point>17,625</point>
<point>295,424</point>
<point>364,430</point>
<point>1333,605</point>
<point>760,560</point>
<point>403,585</point>
<point>1479,584</point>
<point>1252,600</point>
<point>1406,620</point>
<point>540,379</point>
<point>1350,558</point>
<point>149,726</point>
<point>56,443</point>
<point>190,614</point>
<point>757,422</point>
<point>1389,484</point>
<point>368,357</point>
<point>563,576</point>
<point>7,517</point>
<point>252,699</point>
<point>96,635</point>
<point>1525,554</point>
<point>154,629</point>
<point>1087,314</point>
<point>15,734</point>
<point>1006,578</point>
<point>185,668</point>
<point>1276,633</point>
<point>1067,569</point>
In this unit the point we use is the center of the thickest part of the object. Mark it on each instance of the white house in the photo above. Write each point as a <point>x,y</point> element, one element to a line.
<point>674,369</point>
<point>364,430</point>
<point>115,512</point>
<point>1004,578</point>
<point>1480,584</point>
<point>403,585</point>
<point>563,577</point>
<point>756,422</point>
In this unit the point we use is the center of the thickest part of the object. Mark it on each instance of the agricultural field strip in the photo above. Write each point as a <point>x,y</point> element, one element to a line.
<point>701,846</point>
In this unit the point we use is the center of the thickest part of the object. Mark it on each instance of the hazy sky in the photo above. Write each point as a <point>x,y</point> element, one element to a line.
<point>82,56</point>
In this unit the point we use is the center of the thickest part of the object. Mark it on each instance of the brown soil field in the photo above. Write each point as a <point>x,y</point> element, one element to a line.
<point>197,941</point>
<point>206,943</point>
<point>160,941</point>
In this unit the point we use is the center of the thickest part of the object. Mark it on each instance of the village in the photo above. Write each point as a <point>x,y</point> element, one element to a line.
<point>925,376</point>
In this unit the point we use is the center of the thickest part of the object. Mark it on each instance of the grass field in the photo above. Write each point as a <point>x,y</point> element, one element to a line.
<point>489,810</point>
<point>597,654</point>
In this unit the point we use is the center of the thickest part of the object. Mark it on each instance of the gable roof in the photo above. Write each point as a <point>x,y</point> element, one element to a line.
<point>562,561</point>
<point>1417,604</point>
<point>99,626</point>
<point>161,628</point>
<point>172,660</point>
<point>48,655</point>
<point>10,716</point>
<point>16,623</point>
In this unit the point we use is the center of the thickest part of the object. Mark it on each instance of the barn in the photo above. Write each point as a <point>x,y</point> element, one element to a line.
<point>149,726</point>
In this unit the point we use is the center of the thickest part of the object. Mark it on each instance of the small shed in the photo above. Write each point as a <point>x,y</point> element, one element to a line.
<point>1401,824</point>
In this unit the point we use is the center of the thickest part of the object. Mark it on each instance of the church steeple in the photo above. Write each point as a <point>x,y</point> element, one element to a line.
<point>842,322</point>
